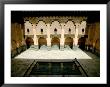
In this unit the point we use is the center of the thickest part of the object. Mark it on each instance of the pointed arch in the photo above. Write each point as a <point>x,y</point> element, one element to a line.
<point>69,42</point>
<point>29,42</point>
<point>42,41</point>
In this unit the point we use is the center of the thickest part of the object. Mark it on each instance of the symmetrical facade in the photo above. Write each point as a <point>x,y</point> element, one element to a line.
<point>55,30</point>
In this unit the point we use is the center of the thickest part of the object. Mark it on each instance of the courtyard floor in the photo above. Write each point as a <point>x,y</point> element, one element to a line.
<point>54,53</point>
<point>21,63</point>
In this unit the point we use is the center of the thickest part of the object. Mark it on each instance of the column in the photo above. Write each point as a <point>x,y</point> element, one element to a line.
<point>35,38</point>
<point>48,37</point>
<point>62,37</point>
<point>75,39</point>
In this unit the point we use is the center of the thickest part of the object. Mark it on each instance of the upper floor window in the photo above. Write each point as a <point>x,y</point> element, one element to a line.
<point>28,30</point>
<point>69,30</point>
<point>55,31</point>
<point>82,30</point>
<point>41,31</point>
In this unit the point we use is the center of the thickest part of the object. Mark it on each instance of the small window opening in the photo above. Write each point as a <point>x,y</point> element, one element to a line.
<point>82,30</point>
<point>41,31</point>
<point>55,30</point>
<point>28,30</point>
<point>69,30</point>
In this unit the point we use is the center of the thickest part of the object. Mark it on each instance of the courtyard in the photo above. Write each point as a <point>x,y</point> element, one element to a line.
<point>24,63</point>
<point>55,44</point>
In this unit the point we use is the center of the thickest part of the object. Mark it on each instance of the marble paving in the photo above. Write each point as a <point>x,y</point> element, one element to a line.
<point>89,61</point>
<point>54,53</point>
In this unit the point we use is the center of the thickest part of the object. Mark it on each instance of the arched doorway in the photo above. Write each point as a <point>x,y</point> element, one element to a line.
<point>42,41</point>
<point>29,42</point>
<point>69,42</point>
<point>81,43</point>
<point>55,42</point>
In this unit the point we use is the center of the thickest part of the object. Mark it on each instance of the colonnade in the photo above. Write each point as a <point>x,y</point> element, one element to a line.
<point>77,24</point>
<point>61,37</point>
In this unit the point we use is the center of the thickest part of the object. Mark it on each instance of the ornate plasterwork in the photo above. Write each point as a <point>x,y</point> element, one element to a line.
<point>49,19</point>
<point>69,35</point>
<point>62,24</point>
<point>55,35</point>
<point>38,36</point>
<point>29,36</point>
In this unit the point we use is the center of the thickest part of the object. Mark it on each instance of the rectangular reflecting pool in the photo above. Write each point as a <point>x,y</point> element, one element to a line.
<point>55,68</point>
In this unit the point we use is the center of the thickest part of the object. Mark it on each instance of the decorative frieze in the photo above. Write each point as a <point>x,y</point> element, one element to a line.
<point>49,19</point>
<point>69,35</point>
<point>29,36</point>
<point>38,36</point>
<point>55,35</point>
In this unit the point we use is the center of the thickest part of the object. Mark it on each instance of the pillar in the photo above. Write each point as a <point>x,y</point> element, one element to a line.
<point>62,37</point>
<point>48,37</point>
<point>35,38</point>
<point>75,39</point>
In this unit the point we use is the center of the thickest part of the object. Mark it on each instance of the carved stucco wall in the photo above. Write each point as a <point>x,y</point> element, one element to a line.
<point>93,35</point>
<point>39,26</point>
<point>54,25</point>
<point>29,26</point>
<point>82,26</point>
<point>17,35</point>
<point>69,25</point>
